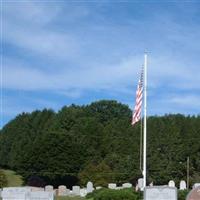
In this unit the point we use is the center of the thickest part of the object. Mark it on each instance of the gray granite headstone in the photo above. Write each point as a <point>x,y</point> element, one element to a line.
<point>194,194</point>
<point>76,190</point>
<point>160,193</point>
<point>90,187</point>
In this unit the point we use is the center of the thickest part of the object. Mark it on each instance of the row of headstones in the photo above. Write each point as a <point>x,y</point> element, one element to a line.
<point>169,193</point>
<point>171,183</point>
<point>49,191</point>
<point>76,190</point>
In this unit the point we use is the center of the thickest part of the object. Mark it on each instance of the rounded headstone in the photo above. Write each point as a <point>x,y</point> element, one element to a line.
<point>140,183</point>
<point>90,187</point>
<point>194,194</point>
<point>183,185</point>
<point>49,188</point>
<point>171,183</point>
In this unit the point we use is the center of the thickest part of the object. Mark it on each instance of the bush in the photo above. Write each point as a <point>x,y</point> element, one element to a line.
<point>3,179</point>
<point>182,194</point>
<point>108,194</point>
<point>36,181</point>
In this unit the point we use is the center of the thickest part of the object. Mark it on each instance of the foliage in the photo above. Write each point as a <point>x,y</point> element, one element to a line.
<point>99,174</point>
<point>3,180</point>
<point>78,140</point>
<point>13,179</point>
<point>69,198</point>
<point>124,194</point>
<point>182,194</point>
<point>36,181</point>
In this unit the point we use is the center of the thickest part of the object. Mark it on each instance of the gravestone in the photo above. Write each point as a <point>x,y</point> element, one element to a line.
<point>40,195</point>
<point>83,192</point>
<point>171,183</point>
<point>35,189</point>
<point>98,187</point>
<point>76,190</point>
<point>194,194</point>
<point>112,185</point>
<point>183,185</point>
<point>48,188</point>
<point>11,195</point>
<point>17,189</point>
<point>160,193</point>
<point>90,187</point>
<point>62,190</point>
<point>127,185</point>
<point>196,185</point>
<point>140,183</point>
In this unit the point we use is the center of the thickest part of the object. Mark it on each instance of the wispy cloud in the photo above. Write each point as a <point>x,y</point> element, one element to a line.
<point>77,49</point>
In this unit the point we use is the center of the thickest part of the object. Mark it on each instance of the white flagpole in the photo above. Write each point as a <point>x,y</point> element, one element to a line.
<point>145,122</point>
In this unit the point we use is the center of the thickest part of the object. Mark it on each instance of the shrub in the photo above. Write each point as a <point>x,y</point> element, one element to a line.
<point>3,179</point>
<point>182,194</point>
<point>36,181</point>
<point>108,194</point>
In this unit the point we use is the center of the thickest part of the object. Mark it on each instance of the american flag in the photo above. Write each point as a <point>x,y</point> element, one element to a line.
<point>138,105</point>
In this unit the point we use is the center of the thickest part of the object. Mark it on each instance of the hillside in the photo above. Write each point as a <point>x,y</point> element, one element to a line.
<point>97,142</point>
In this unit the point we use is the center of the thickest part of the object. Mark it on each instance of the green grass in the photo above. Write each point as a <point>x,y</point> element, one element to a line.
<point>13,179</point>
<point>69,198</point>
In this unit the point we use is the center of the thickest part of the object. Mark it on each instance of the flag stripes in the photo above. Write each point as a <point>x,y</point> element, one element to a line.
<point>138,105</point>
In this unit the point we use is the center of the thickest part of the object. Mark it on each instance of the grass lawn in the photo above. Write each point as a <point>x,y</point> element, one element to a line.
<point>14,180</point>
<point>69,198</point>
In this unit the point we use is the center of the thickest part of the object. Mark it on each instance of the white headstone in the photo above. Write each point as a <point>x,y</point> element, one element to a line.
<point>83,192</point>
<point>49,188</point>
<point>140,183</point>
<point>62,190</point>
<point>160,193</point>
<point>76,190</point>
<point>98,187</point>
<point>183,185</point>
<point>171,183</point>
<point>17,189</point>
<point>40,195</point>
<point>112,185</point>
<point>35,189</point>
<point>127,185</point>
<point>11,195</point>
<point>196,185</point>
<point>90,187</point>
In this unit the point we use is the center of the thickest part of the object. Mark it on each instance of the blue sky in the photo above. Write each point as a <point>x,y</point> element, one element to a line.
<point>56,53</point>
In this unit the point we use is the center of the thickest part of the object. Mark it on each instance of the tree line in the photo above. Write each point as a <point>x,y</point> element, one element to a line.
<point>97,143</point>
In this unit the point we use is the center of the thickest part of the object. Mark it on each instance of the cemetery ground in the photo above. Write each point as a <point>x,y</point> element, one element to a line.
<point>71,198</point>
